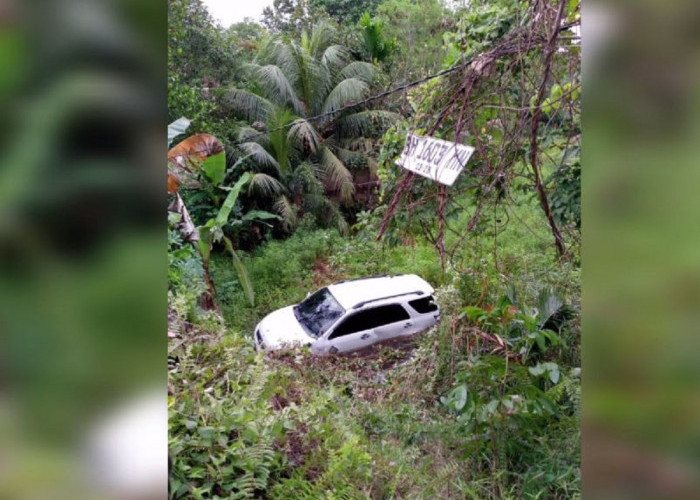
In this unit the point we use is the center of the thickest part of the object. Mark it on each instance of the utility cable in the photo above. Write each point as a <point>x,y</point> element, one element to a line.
<point>365,101</point>
<point>375,97</point>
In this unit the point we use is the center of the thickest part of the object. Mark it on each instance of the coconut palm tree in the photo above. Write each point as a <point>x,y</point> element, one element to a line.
<point>301,161</point>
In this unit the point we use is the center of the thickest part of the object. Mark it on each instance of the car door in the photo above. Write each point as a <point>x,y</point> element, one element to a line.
<point>391,320</point>
<point>426,313</point>
<point>368,327</point>
<point>352,333</point>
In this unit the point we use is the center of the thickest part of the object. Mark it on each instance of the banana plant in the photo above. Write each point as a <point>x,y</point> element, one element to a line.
<point>203,154</point>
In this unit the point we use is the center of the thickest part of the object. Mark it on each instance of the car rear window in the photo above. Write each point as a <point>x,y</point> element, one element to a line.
<point>371,318</point>
<point>424,305</point>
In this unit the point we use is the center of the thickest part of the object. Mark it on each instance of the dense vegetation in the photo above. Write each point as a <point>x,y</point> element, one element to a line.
<point>486,404</point>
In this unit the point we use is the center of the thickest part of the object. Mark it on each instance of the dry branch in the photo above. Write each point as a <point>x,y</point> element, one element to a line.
<point>484,83</point>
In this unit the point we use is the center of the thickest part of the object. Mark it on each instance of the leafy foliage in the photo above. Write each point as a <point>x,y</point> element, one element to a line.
<point>378,46</point>
<point>565,185</point>
<point>185,272</point>
<point>294,81</point>
<point>487,404</point>
<point>416,24</point>
<point>197,48</point>
<point>201,58</point>
<point>346,12</point>
<point>287,17</point>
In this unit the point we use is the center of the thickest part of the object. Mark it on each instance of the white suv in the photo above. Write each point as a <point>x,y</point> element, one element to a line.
<point>351,315</point>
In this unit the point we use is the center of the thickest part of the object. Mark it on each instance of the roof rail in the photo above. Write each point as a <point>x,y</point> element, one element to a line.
<point>364,302</point>
<point>368,278</point>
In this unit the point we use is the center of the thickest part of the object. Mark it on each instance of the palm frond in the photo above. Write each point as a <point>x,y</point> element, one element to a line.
<point>361,70</point>
<point>346,92</point>
<point>312,82</point>
<point>327,213</point>
<point>371,123</point>
<point>305,179</point>
<point>286,59</point>
<point>249,134</point>
<point>287,211</point>
<point>351,159</point>
<point>345,155</point>
<point>265,185</point>
<point>278,87</point>
<point>322,36</point>
<point>260,155</point>
<point>304,134</point>
<point>340,223</point>
<point>359,144</point>
<point>336,175</point>
<point>322,88</point>
<point>250,69</point>
<point>280,147</point>
<point>267,50</point>
<point>247,105</point>
<point>335,56</point>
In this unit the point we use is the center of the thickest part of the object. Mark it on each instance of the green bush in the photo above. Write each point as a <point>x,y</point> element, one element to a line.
<point>486,405</point>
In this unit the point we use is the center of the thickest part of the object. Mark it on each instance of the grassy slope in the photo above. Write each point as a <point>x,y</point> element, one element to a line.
<point>291,426</point>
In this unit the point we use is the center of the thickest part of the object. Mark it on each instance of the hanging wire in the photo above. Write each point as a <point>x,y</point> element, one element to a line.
<point>351,105</point>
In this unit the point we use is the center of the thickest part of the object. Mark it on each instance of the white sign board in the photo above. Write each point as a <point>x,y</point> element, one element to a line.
<point>439,160</point>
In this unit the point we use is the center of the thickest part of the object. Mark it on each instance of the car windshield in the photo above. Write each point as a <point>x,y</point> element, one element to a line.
<point>318,312</point>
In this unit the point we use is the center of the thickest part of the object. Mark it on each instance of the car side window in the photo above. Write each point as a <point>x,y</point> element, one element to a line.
<point>370,318</point>
<point>424,305</point>
<point>355,323</point>
<point>390,314</point>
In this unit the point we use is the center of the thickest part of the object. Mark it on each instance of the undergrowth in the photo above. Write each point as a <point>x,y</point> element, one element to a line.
<point>486,405</point>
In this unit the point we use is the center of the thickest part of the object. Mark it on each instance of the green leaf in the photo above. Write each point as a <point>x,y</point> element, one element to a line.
<point>540,341</point>
<point>552,370</point>
<point>537,370</point>
<point>551,336</point>
<point>547,405</point>
<point>230,201</point>
<point>206,432</point>
<point>474,312</point>
<point>554,374</point>
<point>459,397</point>
<point>214,168</point>
<point>242,272</point>
<point>260,214</point>
<point>491,407</point>
<point>204,243</point>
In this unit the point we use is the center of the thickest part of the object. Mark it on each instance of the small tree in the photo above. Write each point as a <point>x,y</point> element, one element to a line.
<point>203,154</point>
<point>295,81</point>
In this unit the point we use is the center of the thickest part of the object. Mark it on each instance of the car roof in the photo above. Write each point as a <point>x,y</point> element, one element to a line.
<point>354,293</point>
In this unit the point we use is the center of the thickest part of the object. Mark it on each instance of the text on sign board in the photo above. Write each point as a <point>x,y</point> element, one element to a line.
<point>439,160</point>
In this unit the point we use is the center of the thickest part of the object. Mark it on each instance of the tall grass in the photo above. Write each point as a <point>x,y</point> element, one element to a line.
<point>290,425</point>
